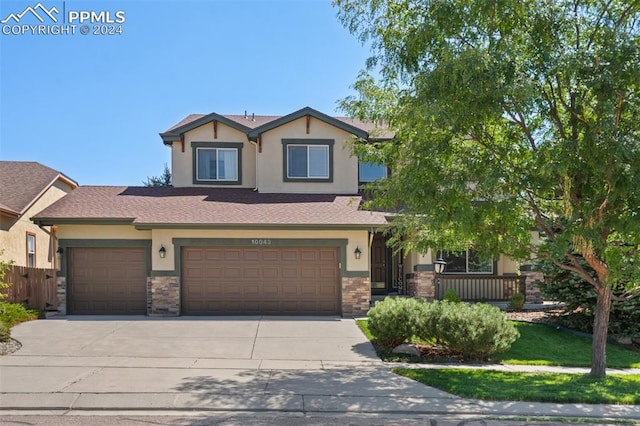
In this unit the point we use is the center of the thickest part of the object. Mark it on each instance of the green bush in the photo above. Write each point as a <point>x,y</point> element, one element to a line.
<point>451,296</point>
<point>579,299</point>
<point>14,313</point>
<point>475,331</point>
<point>395,320</point>
<point>5,333</point>
<point>516,303</point>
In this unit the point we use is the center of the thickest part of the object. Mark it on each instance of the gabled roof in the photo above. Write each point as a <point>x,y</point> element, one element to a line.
<point>304,112</point>
<point>253,125</point>
<point>147,207</point>
<point>23,182</point>
<point>194,120</point>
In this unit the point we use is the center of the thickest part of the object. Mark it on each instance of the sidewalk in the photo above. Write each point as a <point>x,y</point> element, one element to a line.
<point>126,384</point>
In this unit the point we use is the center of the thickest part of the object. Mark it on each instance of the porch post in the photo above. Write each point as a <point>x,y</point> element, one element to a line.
<point>532,284</point>
<point>422,285</point>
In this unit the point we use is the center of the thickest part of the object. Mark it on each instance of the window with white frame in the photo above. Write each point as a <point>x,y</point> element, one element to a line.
<point>217,163</point>
<point>308,160</point>
<point>467,262</point>
<point>31,250</point>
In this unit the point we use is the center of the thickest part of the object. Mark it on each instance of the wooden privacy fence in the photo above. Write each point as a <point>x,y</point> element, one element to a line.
<point>33,287</point>
<point>480,287</point>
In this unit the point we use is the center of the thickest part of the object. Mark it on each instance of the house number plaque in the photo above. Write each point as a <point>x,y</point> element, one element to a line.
<point>260,242</point>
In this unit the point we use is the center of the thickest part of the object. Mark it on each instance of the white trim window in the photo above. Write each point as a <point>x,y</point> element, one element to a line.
<point>466,262</point>
<point>307,161</point>
<point>31,250</point>
<point>217,164</point>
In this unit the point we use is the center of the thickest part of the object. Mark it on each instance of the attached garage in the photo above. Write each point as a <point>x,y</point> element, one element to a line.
<point>107,281</point>
<point>260,281</point>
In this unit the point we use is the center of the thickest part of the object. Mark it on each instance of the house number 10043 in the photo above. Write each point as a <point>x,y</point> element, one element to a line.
<point>261,242</point>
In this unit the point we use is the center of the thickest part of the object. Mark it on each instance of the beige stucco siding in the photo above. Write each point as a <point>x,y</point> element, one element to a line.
<point>13,231</point>
<point>357,238</point>
<point>270,160</point>
<point>101,232</point>
<point>182,162</point>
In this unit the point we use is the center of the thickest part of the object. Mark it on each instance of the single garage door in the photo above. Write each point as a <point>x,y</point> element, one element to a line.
<point>260,280</point>
<point>107,281</point>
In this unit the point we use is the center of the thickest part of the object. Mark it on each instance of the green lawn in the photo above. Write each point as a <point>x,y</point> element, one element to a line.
<point>541,387</point>
<point>541,344</point>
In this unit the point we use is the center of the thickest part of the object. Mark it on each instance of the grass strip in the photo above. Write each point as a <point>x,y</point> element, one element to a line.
<point>532,387</point>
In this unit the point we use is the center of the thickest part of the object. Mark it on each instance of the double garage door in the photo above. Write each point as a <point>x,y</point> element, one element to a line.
<point>260,280</point>
<point>215,281</point>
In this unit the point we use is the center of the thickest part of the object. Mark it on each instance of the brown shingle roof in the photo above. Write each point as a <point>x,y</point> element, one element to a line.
<point>208,206</point>
<point>22,182</point>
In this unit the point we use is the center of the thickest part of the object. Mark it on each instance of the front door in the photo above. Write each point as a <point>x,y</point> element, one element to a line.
<point>380,265</point>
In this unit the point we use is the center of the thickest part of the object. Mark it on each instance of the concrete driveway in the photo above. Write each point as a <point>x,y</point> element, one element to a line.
<point>226,342</point>
<point>262,364</point>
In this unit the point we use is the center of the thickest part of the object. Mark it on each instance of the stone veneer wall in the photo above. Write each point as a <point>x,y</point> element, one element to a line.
<point>532,289</point>
<point>422,285</point>
<point>356,295</point>
<point>163,296</point>
<point>61,293</point>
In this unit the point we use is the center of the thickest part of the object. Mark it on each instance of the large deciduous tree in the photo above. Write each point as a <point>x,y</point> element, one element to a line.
<point>510,116</point>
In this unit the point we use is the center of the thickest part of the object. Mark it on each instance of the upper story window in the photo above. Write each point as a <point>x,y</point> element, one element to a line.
<point>369,172</point>
<point>217,163</point>
<point>309,160</point>
<point>467,262</point>
<point>31,250</point>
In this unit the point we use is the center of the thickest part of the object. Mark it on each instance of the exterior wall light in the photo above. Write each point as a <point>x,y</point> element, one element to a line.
<point>162,252</point>
<point>439,265</point>
<point>357,253</point>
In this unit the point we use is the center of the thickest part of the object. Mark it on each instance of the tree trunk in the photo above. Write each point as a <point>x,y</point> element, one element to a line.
<point>600,327</point>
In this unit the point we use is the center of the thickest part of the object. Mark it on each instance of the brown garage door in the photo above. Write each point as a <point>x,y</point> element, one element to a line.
<point>260,280</point>
<point>106,281</point>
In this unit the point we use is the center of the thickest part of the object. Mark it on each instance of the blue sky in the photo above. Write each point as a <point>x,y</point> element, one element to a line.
<point>92,106</point>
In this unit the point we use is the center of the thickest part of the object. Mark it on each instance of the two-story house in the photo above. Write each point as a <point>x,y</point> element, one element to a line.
<point>264,217</point>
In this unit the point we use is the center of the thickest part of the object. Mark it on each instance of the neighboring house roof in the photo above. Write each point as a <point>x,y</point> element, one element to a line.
<point>253,124</point>
<point>203,207</point>
<point>23,182</point>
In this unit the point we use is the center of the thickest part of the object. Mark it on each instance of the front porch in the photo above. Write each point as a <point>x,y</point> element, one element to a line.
<point>394,275</point>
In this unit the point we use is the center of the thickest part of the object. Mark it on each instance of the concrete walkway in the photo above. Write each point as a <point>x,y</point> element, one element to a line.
<point>278,365</point>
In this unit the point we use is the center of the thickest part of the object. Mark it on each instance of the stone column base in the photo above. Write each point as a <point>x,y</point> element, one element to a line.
<point>61,294</point>
<point>163,296</point>
<point>532,287</point>
<point>356,296</point>
<point>422,285</point>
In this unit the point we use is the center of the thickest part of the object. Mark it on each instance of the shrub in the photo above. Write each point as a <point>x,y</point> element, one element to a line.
<point>5,333</point>
<point>14,313</point>
<point>451,296</point>
<point>475,331</point>
<point>580,297</point>
<point>394,320</point>
<point>516,303</point>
